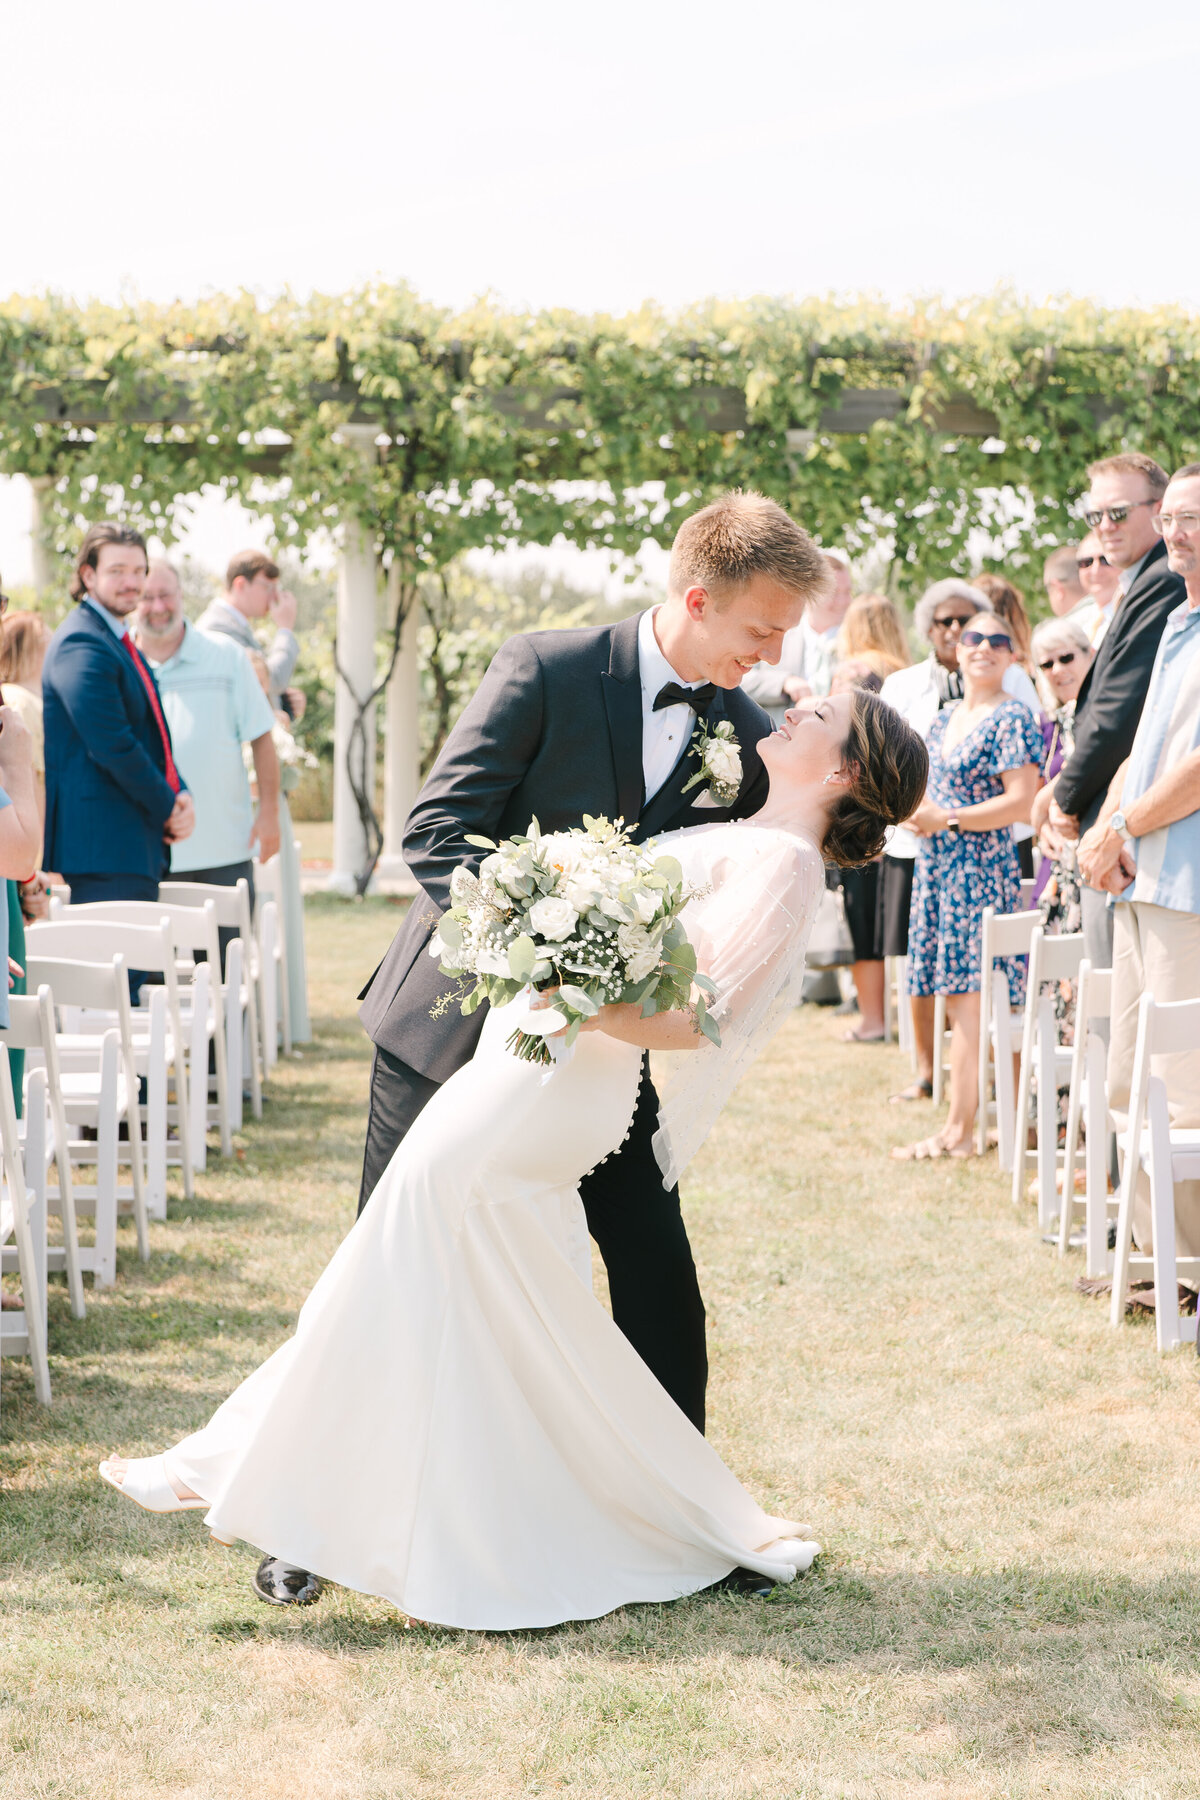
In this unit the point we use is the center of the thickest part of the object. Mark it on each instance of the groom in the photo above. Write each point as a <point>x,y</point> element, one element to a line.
<point>605,720</point>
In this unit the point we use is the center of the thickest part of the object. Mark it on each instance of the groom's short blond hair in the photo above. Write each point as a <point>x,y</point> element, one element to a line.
<point>739,536</point>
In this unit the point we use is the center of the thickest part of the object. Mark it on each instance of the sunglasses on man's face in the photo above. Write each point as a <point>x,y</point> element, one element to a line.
<point>971,640</point>
<point>1114,514</point>
<point>1064,660</point>
<point>955,619</point>
<point>1085,562</point>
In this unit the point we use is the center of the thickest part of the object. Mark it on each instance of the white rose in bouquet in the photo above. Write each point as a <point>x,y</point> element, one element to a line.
<point>552,918</point>
<point>646,904</point>
<point>638,949</point>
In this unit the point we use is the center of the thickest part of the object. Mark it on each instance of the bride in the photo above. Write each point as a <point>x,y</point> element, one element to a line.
<point>457,1425</point>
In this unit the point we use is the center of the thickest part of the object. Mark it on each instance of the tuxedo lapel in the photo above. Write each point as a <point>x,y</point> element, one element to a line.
<point>621,686</point>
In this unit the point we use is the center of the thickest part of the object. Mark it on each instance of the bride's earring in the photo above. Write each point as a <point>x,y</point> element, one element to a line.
<point>829,778</point>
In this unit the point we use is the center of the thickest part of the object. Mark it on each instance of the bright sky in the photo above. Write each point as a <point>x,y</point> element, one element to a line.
<point>593,157</point>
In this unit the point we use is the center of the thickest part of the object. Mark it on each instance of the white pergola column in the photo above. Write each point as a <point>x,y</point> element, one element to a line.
<point>402,753</point>
<point>356,607</point>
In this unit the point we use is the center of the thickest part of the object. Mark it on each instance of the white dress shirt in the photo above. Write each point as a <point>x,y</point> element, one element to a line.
<point>666,734</point>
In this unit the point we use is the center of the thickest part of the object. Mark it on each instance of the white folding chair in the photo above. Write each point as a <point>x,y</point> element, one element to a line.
<point>98,1079</point>
<point>23,1226</point>
<point>31,1028</point>
<point>1053,957</point>
<point>1028,884</point>
<point>897,1021</point>
<point>192,929</point>
<point>1087,1106</point>
<point>156,1043</point>
<point>1168,1154</point>
<point>1002,934</point>
<point>239,984</point>
<point>268,882</point>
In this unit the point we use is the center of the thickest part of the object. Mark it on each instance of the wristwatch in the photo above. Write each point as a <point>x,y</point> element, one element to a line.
<point>953,825</point>
<point>1117,823</point>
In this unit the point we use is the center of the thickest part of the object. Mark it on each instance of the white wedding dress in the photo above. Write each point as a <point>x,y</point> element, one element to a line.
<point>457,1424</point>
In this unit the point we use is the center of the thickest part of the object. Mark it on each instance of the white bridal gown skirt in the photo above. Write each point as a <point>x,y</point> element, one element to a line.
<point>457,1424</point>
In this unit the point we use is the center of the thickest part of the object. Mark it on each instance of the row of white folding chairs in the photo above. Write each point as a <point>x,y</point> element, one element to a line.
<point>23,1243</point>
<point>1149,1146</point>
<point>49,1143</point>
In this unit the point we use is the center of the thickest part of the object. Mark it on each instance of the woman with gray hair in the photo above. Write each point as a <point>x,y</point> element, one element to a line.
<point>920,694</point>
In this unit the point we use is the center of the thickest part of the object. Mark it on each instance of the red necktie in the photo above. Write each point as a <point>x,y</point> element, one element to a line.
<point>173,781</point>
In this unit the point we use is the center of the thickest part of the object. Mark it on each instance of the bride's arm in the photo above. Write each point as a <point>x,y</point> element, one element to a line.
<point>661,1031</point>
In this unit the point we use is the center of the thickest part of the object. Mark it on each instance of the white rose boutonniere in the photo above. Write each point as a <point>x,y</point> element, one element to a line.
<point>720,761</point>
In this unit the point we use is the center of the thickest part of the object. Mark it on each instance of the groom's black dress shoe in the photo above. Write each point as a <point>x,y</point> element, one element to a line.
<point>281,1583</point>
<point>747,1582</point>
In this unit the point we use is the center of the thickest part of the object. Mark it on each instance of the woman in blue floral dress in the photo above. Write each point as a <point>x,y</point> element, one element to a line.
<point>984,759</point>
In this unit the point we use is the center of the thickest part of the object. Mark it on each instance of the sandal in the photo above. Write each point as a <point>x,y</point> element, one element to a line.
<point>916,1090</point>
<point>857,1037</point>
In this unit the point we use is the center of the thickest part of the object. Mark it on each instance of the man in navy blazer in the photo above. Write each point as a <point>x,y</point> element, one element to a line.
<point>114,798</point>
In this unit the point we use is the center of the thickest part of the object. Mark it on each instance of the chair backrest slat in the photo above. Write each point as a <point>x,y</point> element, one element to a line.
<point>1173,1026</point>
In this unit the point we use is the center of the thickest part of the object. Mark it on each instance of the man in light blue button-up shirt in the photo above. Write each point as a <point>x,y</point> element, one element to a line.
<point>214,704</point>
<point>1145,850</point>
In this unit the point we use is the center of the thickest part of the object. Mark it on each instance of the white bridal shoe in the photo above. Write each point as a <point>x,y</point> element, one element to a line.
<point>144,1481</point>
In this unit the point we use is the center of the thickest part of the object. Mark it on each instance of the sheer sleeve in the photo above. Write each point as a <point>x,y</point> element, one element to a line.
<point>750,933</point>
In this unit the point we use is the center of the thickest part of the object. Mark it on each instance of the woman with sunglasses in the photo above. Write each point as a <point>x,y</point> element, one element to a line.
<point>985,755</point>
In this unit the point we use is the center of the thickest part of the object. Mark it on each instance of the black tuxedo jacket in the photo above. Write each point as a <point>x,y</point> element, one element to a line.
<point>1114,689</point>
<point>554,730</point>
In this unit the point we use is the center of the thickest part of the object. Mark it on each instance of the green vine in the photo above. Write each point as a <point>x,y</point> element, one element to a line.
<point>495,429</point>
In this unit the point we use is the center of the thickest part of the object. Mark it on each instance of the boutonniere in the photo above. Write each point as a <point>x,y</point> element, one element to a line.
<point>720,762</point>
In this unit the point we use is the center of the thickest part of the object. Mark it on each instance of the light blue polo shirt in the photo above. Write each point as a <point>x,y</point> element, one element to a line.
<point>214,705</point>
<point>1168,861</point>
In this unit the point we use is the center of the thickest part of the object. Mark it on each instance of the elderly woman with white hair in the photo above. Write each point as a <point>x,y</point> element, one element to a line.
<point>920,694</point>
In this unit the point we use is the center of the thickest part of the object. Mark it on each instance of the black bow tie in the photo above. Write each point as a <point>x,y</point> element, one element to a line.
<point>698,698</point>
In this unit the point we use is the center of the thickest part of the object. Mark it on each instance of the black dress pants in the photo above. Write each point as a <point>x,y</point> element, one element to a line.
<point>636,1223</point>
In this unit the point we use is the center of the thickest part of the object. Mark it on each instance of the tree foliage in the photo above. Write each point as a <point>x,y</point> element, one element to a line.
<point>497,429</point>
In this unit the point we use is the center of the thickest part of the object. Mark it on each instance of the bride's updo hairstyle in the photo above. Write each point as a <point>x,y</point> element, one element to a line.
<point>889,765</point>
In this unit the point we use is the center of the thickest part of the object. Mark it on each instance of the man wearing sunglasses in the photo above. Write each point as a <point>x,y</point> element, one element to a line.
<point>1121,508</point>
<point>1145,848</point>
<point>1100,582</point>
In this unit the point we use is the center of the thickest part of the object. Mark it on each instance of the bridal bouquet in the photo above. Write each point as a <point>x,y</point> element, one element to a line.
<point>584,915</point>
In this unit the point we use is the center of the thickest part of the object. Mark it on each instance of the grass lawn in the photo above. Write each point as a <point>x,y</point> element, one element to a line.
<point>1008,1603</point>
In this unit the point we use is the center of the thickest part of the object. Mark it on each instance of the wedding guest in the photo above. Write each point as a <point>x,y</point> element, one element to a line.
<point>213,704</point>
<point>873,631</point>
<point>20,842</point>
<point>252,591</point>
<point>1062,655</point>
<point>115,801</point>
<point>984,757</point>
<point>1008,603</point>
<point>1121,508</point>
<point>860,892</point>
<point>291,891</point>
<point>943,612</point>
<point>805,665</point>
<point>24,638</point>
<point>1149,829</point>
<point>1060,578</point>
<point>1100,582</point>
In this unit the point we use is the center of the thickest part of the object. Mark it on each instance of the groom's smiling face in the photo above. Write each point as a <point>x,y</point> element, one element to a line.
<point>723,639</point>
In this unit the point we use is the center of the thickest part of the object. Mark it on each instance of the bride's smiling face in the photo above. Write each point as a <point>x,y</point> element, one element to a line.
<point>811,742</point>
